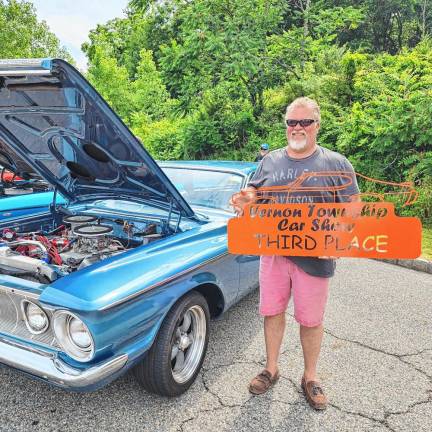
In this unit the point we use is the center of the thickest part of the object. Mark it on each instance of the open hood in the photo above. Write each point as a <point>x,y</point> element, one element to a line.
<point>11,162</point>
<point>54,121</point>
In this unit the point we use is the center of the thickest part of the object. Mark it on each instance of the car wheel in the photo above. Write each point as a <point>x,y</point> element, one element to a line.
<point>176,356</point>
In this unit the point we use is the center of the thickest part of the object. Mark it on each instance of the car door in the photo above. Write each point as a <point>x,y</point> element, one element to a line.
<point>248,266</point>
<point>248,274</point>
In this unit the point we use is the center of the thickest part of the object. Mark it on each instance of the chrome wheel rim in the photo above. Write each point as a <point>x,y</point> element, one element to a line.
<point>188,344</point>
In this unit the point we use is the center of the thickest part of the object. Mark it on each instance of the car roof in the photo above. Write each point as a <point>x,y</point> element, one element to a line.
<point>237,166</point>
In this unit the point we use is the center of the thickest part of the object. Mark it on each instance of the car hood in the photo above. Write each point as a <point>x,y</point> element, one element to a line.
<point>11,162</point>
<point>54,121</point>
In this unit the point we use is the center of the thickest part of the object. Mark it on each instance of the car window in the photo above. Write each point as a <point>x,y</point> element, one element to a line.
<point>205,187</point>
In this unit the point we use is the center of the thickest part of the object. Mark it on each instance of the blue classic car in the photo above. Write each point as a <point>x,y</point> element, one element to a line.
<point>128,266</point>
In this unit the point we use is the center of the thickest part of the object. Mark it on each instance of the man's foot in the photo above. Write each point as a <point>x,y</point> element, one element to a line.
<point>262,382</point>
<point>314,394</point>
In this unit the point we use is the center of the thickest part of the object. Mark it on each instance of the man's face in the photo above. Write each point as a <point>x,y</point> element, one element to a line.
<point>301,138</point>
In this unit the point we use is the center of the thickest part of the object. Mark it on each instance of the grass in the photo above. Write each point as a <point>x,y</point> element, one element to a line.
<point>427,242</point>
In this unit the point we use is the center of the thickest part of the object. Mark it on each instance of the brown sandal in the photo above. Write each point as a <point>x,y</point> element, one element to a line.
<point>262,382</point>
<point>314,394</point>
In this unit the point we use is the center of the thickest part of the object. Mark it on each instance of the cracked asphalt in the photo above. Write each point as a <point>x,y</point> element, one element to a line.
<point>376,367</point>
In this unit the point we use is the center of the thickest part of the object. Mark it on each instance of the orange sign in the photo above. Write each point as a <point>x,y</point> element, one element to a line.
<point>358,229</point>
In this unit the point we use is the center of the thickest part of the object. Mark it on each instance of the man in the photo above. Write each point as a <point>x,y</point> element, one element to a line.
<point>306,277</point>
<point>264,149</point>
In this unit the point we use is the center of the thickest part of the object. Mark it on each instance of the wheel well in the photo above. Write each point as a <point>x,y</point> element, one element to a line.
<point>214,298</point>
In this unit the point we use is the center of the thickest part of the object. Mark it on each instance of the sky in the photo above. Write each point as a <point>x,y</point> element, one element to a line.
<point>71,21</point>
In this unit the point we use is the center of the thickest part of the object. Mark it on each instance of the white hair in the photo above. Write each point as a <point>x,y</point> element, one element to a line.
<point>305,102</point>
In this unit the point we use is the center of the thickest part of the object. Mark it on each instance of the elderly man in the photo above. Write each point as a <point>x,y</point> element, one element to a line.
<point>307,278</point>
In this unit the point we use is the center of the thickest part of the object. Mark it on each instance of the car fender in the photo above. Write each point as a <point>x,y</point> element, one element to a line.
<point>132,327</point>
<point>125,298</point>
<point>130,274</point>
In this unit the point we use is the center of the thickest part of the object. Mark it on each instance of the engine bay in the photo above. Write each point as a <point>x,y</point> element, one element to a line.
<point>76,241</point>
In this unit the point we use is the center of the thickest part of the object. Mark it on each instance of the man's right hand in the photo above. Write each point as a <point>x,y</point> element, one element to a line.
<point>240,199</point>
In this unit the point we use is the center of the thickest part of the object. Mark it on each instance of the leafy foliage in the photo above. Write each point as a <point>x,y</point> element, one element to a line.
<point>212,78</point>
<point>112,82</point>
<point>23,36</point>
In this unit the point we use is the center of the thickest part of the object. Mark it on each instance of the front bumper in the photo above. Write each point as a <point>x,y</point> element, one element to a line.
<point>48,367</point>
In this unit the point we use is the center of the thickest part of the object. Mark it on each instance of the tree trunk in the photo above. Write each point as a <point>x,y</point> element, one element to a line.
<point>400,30</point>
<point>423,22</point>
<point>304,6</point>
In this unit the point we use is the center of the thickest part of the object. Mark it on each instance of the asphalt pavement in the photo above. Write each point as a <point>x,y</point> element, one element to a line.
<point>375,365</point>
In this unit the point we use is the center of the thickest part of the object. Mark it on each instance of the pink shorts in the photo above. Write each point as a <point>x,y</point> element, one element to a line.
<point>278,275</point>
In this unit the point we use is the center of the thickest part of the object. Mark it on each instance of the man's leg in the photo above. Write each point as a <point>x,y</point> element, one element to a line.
<point>311,338</point>
<point>275,290</point>
<point>274,328</point>
<point>310,297</point>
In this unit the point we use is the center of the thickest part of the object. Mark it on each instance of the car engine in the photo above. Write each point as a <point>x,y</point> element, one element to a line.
<point>80,240</point>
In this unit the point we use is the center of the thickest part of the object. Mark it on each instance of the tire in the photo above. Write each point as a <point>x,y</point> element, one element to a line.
<point>176,356</point>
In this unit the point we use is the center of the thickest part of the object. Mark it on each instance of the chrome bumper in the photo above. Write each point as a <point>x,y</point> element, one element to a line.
<point>48,367</point>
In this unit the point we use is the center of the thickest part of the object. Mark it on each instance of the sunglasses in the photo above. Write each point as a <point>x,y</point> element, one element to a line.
<point>303,122</point>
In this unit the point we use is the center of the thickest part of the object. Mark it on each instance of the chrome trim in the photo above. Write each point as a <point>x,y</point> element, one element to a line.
<point>50,368</point>
<point>24,306</point>
<point>20,72</point>
<point>18,67</point>
<point>158,284</point>
<point>61,325</point>
<point>248,178</point>
<point>235,171</point>
<point>16,222</point>
<point>12,319</point>
<point>19,292</point>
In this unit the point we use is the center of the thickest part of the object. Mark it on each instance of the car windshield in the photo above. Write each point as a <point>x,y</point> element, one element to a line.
<point>205,187</point>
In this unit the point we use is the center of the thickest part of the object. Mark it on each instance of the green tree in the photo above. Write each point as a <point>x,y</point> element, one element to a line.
<point>387,131</point>
<point>112,37</point>
<point>112,82</point>
<point>23,36</point>
<point>164,138</point>
<point>389,25</point>
<point>148,25</point>
<point>221,40</point>
<point>150,96</point>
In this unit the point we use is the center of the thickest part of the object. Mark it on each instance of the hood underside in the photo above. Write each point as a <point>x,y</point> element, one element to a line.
<point>55,123</point>
<point>11,162</point>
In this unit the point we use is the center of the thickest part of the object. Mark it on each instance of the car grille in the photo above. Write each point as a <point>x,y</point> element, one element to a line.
<point>12,319</point>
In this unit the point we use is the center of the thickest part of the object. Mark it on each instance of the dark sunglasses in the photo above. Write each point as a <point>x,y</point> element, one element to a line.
<point>303,122</point>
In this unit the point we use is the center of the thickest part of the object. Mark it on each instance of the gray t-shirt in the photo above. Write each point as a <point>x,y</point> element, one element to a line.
<point>278,169</point>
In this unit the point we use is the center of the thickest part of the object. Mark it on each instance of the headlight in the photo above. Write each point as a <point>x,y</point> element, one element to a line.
<point>79,334</point>
<point>35,317</point>
<point>73,336</point>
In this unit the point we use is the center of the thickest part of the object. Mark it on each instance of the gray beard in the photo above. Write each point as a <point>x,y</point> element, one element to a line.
<point>297,145</point>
